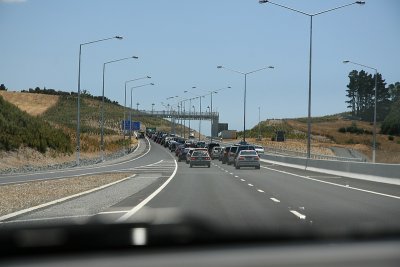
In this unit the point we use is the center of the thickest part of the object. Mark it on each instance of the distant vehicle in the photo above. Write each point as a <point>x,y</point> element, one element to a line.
<point>231,155</point>
<point>191,150</point>
<point>225,155</point>
<point>247,158</point>
<point>221,153</point>
<point>201,144</point>
<point>140,134</point>
<point>211,146</point>
<point>200,158</point>
<point>259,149</point>
<point>215,152</point>
<point>182,154</point>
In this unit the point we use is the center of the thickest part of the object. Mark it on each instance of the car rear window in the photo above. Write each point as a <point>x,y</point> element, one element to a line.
<point>200,153</point>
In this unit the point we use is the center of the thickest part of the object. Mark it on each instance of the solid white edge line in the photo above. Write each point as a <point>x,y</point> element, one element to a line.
<point>20,212</point>
<point>112,212</point>
<point>275,200</point>
<point>298,214</point>
<point>150,197</point>
<point>339,185</point>
<point>49,218</point>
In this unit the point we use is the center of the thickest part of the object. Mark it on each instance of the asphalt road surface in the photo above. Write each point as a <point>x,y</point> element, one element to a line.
<point>274,196</point>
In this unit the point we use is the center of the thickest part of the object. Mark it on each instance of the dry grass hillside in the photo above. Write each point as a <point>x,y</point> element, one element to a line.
<point>33,104</point>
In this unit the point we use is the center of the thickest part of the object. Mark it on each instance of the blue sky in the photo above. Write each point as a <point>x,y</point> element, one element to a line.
<point>180,43</point>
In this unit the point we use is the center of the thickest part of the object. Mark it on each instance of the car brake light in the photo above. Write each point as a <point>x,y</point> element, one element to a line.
<point>256,158</point>
<point>192,158</point>
<point>241,158</point>
<point>207,158</point>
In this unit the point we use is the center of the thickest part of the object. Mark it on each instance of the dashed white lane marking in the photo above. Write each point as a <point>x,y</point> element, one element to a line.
<point>226,171</point>
<point>231,173</point>
<point>20,212</point>
<point>275,200</point>
<point>298,214</point>
<point>250,185</point>
<point>261,191</point>
<point>243,180</point>
<point>236,176</point>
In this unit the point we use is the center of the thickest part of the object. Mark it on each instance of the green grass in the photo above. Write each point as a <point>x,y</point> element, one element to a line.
<point>21,129</point>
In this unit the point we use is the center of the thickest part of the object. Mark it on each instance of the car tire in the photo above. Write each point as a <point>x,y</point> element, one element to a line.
<point>257,167</point>
<point>179,160</point>
<point>191,165</point>
<point>208,166</point>
<point>237,167</point>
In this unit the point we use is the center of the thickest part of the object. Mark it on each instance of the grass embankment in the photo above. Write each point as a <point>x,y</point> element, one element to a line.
<point>328,131</point>
<point>18,129</point>
<point>65,114</point>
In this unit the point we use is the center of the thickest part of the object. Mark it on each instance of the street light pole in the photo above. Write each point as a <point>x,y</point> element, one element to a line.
<point>78,130</point>
<point>310,58</point>
<point>102,104</point>
<point>259,124</point>
<point>126,82</point>
<point>375,104</point>
<point>130,111</point>
<point>245,89</point>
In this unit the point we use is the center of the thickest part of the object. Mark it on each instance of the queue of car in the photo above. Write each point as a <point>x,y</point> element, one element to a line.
<point>239,155</point>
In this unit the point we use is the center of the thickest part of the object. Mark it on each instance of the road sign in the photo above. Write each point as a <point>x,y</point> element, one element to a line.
<point>136,125</point>
<point>130,125</point>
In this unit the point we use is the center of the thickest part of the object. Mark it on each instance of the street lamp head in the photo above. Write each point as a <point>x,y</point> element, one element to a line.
<point>193,87</point>
<point>271,67</point>
<point>148,77</point>
<point>151,83</point>
<point>135,57</point>
<point>119,37</point>
<point>263,1</point>
<point>346,61</point>
<point>229,87</point>
<point>219,67</point>
<point>360,2</point>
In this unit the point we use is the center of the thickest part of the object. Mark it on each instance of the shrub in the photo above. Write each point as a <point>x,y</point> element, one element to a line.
<point>390,137</point>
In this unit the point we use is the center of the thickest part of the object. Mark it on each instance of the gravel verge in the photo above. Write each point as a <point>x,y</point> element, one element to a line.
<point>63,165</point>
<point>25,195</point>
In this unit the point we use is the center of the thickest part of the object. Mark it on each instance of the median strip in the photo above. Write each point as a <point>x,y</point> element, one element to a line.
<point>18,199</point>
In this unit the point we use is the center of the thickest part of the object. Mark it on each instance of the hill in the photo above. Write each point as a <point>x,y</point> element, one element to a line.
<point>19,129</point>
<point>329,132</point>
<point>33,104</point>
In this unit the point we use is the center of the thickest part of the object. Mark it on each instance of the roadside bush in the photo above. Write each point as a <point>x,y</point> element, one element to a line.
<point>390,137</point>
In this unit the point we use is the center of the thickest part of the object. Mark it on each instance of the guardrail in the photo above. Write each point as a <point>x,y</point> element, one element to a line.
<point>288,152</point>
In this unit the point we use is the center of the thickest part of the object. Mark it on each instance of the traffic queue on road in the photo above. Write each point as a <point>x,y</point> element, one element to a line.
<point>200,153</point>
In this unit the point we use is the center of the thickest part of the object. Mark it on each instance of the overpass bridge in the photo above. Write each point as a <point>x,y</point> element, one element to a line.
<point>179,117</point>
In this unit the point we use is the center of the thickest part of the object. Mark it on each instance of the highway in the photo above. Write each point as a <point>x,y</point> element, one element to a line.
<point>274,196</point>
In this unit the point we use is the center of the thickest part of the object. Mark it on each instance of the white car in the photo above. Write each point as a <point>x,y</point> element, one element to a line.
<point>259,149</point>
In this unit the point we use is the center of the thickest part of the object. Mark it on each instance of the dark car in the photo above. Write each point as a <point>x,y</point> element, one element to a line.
<point>225,152</point>
<point>210,147</point>
<point>182,154</point>
<point>232,154</point>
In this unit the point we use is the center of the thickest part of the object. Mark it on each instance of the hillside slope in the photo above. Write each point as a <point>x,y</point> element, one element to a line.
<point>19,129</point>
